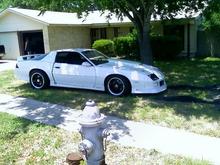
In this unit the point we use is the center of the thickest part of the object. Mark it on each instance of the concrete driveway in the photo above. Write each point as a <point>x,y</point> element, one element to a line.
<point>7,65</point>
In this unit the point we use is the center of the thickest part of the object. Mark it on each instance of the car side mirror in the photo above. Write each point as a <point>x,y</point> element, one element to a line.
<point>87,64</point>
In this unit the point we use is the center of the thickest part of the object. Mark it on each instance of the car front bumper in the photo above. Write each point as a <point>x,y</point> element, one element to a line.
<point>149,87</point>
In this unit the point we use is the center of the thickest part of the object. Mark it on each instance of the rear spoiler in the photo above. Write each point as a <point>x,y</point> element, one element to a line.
<point>29,57</point>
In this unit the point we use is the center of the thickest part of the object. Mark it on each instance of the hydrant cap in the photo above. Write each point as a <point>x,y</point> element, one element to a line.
<point>90,103</point>
<point>91,115</point>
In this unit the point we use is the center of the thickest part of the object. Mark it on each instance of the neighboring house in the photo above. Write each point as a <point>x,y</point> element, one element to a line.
<point>24,31</point>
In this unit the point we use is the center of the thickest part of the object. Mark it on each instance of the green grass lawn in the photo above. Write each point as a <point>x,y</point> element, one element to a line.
<point>193,109</point>
<point>197,72</point>
<point>26,142</point>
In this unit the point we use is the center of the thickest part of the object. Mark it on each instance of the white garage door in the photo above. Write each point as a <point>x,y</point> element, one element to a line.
<point>10,42</point>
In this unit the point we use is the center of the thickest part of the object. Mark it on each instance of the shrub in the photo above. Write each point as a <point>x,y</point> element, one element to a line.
<point>127,47</point>
<point>165,47</point>
<point>105,46</point>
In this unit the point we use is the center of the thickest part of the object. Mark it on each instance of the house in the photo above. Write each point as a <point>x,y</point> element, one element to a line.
<point>24,31</point>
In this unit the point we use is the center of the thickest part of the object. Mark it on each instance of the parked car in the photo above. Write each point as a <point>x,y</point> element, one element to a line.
<point>89,69</point>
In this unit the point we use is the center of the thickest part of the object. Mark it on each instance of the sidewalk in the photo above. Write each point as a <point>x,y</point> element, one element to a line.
<point>7,65</point>
<point>125,132</point>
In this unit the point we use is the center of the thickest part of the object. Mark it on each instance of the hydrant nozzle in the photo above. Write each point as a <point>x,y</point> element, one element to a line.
<point>85,147</point>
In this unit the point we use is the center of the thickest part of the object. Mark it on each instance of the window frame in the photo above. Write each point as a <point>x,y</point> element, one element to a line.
<point>69,61</point>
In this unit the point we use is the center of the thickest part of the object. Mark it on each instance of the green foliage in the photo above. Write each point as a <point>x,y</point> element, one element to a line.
<point>165,47</point>
<point>211,22</point>
<point>105,46</point>
<point>43,5</point>
<point>30,142</point>
<point>126,46</point>
<point>211,25</point>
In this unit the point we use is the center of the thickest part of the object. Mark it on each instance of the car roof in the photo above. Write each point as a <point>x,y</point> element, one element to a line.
<point>74,50</point>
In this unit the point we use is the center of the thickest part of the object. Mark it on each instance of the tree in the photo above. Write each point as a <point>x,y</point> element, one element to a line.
<point>211,15</point>
<point>211,24</point>
<point>212,8</point>
<point>138,11</point>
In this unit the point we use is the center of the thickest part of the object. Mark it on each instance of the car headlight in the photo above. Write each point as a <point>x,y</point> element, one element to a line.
<point>153,76</point>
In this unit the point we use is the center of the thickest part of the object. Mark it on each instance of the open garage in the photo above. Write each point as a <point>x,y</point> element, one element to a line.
<point>25,32</point>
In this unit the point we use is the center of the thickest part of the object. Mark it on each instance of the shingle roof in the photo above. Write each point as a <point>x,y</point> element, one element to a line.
<point>63,18</point>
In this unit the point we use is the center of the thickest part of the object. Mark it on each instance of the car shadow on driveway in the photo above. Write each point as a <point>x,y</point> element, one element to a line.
<point>214,97</point>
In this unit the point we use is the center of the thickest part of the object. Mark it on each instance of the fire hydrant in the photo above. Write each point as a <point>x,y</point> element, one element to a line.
<point>93,134</point>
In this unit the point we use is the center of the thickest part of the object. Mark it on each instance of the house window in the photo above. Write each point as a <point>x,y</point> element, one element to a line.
<point>116,29</point>
<point>97,33</point>
<point>103,33</point>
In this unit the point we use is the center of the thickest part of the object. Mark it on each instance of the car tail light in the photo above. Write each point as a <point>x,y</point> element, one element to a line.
<point>153,77</point>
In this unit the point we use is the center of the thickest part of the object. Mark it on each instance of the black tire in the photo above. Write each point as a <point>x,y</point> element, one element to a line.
<point>39,79</point>
<point>117,85</point>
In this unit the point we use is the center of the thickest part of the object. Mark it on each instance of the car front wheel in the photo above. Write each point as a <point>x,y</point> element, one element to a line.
<point>39,79</point>
<point>117,85</point>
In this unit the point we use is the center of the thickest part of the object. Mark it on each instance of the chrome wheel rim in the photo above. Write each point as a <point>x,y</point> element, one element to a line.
<point>37,80</point>
<point>116,86</point>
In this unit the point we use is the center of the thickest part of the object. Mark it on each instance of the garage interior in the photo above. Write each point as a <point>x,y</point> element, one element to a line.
<point>31,42</point>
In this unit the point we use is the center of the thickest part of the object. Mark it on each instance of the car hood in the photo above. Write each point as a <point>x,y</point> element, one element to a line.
<point>132,66</point>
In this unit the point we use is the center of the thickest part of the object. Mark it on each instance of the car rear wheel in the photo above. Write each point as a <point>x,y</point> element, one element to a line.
<point>117,85</point>
<point>39,79</point>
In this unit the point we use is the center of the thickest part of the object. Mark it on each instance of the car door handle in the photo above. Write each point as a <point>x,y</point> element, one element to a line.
<point>57,67</point>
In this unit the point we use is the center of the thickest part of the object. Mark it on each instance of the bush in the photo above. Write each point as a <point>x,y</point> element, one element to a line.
<point>165,47</point>
<point>105,46</point>
<point>127,47</point>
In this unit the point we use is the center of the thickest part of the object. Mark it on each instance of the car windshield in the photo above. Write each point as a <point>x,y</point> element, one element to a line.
<point>95,56</point>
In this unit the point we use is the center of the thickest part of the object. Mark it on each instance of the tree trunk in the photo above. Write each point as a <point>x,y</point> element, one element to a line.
<point>144,45</point>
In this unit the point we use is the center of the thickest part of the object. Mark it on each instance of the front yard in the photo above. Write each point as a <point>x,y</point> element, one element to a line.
<point>192,101</point>
<point>26,142</point>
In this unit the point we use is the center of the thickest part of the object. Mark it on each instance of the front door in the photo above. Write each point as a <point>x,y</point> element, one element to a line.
<point>69,71</point>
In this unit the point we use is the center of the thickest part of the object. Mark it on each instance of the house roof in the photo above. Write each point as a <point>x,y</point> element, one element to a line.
<point>63,18</point>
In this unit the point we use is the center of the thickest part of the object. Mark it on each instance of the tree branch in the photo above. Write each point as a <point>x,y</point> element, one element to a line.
<point>135,11</point>
<point>143,4</point>
<point>126,12</point>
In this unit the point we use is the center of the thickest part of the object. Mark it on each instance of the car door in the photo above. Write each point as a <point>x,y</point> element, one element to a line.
<point>69,71</point>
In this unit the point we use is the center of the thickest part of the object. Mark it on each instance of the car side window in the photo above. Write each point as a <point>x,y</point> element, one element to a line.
<point>70,58</point>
